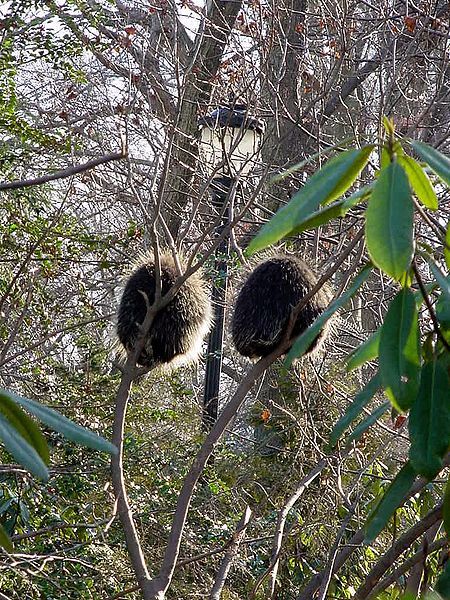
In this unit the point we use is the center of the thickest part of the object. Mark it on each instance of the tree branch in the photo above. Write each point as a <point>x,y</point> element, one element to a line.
<point>281,522</point>
<point>429,306</point>
<point>406,565</point>
<point>69,172</point>
<point>212,37</point>
<point>230,554</point>
<point>160,584</point>
<point>58,527</point>
<point>355,542</point>
<point>403,543</point>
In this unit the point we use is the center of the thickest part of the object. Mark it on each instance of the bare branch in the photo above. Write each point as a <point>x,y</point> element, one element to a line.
<point>403,543</point>
<point>281,522</point>
<point>429,306</point>
<point>58,527</point>
<point>159,585</point>
<point>230,554</point>
<point>356,540</point>
<point>408,564</point>
<point>64,173</point>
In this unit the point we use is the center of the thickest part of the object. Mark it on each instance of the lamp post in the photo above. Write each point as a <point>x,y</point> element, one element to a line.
<point>229,148</point>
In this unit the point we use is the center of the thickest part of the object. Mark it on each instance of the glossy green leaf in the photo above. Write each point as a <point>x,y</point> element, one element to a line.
<point>327,184</point>
<point>419,181</point>
<point>389,222</point>
<point>446,509</point>
<point>5,542</point>
<point>443,312</point>
<point>442,306</point>
<point>18,447</point>
<point>442,280</point>
<point>388,125</point>
<point>443,583</point>
<point>367,422</point>
<point>25,426</point>
<point>357,197</point>
<point>392,499</point>
<point>385,159</point>
<point>304,341</point>
<point>428,350</point>
<point>399,351</point>
<point>63,425</point>
<point>397,149</point>
<point>319,217</point>
<point>361,400</point>
<point>333,211</point>
<point>321,154</point>
<point>447,246</point>
<point>437,161</point>
<point>368,350</point>
<point>429,421</point>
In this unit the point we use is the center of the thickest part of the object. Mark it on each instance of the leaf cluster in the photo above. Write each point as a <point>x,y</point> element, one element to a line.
<point>413,369</point>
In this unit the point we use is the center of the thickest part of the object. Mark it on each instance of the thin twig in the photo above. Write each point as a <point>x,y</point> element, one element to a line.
<point>58,527</point>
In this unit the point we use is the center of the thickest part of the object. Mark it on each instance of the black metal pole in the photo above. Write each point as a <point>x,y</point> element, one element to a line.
<point>220,191</point>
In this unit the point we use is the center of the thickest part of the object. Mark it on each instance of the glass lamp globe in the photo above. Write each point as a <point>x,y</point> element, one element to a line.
<point>230,141</point>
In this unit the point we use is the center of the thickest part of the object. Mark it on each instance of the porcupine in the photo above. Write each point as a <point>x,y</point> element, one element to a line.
<point>265,302</point>
<point>178,329</point>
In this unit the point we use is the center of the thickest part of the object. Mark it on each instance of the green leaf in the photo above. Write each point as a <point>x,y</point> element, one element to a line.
<point>443,312</point>
<point>428,347</point>
<point>397,149</point>
<point>320,217</point>
<point>361,400</point>
<point>446,509</point>
<point>367,422</point>
<point>18,447</point>
<point>392,499</point>
<point>325,185</point>
<point>442,280</point>
<point>389,222</point>
<point>5,542</point>
<point>368,350</point>
<point>429,421</point>
<point>388,125</point>
<point>443,583</point>
<point>447,246</point>
<point>25,426</point>
<point>338,209</point>
<point>399,351</point>
<point>437,161</point>
<point>419,182</point>
<point>304,341</point>
<point>63,425</point>
<point>443,303</point>
<point>385,159</point>
<point>320,154</point>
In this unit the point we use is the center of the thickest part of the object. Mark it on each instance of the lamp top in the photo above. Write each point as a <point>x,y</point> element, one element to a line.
<point>234,116</point>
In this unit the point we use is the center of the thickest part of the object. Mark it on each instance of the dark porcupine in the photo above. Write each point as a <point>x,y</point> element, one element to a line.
<point>265,302</point>
<point>178,329</point>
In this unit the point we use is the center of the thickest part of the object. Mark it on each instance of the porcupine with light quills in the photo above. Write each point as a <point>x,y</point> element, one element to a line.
<point>264,305</point>
<point>177,331</point>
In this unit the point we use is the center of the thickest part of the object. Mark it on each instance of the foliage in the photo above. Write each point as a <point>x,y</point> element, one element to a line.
<point>414,378</point>
<point>76,79</point>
